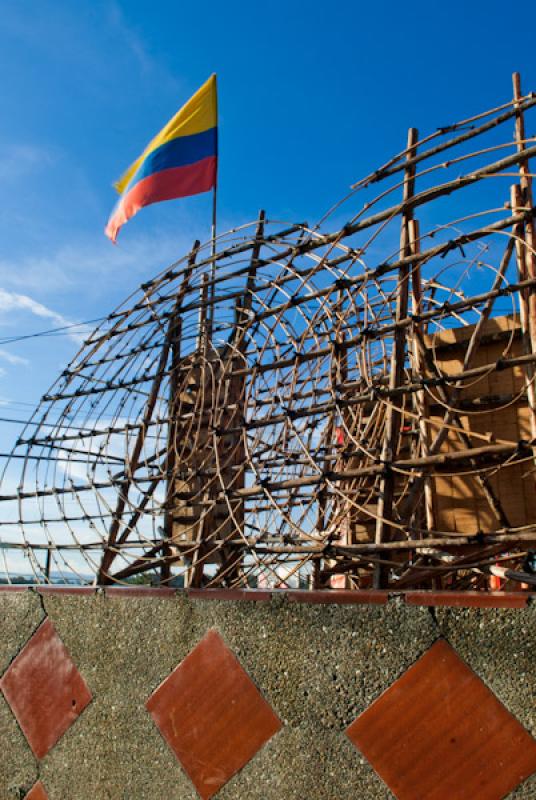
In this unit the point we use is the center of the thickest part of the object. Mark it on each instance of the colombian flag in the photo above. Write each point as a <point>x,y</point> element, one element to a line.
<point>181,160</point>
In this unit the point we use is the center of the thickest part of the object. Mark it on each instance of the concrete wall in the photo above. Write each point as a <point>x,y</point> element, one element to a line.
<point>319,665</point>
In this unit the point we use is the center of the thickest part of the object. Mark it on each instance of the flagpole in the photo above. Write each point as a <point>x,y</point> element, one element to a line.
<point>211,316</point>
<point>213,230</point>
<point>214,192</point>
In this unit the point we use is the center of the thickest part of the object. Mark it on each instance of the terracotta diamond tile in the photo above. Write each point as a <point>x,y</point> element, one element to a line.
<point>439,733</point>
<point>44,689</point>
<point>212,715</point>
<point>37,793</point>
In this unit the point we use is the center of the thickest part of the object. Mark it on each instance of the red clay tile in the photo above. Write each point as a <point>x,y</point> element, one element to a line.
<point>439,733</point>
<point>230,594</point>
<point>44,689</point>
<point>212,715</point>
<point>37,792</point>
<point>340,596</point>
<point>468,599</point>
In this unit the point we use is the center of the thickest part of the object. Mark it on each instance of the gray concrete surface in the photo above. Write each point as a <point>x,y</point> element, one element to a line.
<point>319,666</point>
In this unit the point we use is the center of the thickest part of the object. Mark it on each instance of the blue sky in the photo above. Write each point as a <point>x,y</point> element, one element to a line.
<point>312,96</point>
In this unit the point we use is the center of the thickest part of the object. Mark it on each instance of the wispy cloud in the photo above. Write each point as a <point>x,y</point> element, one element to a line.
<point>9,301</point>
<point>97,36</point>
<point>13,359</point>
<point>89,277</point>
<point>18,160</point>
<point>12,302</point>
<point>91,264</point>
<point>130,38</point>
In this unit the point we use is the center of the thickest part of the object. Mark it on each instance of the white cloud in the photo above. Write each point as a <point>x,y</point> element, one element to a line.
<point>92,265</point>
<point>12,302</point>
<point>131,39</point>
<point>18,160</point>
<point>13,359</point>
<point>95,37</point>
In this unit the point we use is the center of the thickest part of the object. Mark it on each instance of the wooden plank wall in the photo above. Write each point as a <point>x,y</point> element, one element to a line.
<point>459,501</point>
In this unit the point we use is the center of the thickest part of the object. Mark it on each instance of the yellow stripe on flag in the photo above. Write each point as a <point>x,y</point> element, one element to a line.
<point>199,114</point>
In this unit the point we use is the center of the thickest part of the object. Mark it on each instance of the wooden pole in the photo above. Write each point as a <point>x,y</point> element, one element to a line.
<point>526,256</point>
<point>245,301</point>
<point>175,325</point>
<point>385,506</point>
<point>421,404</point>
<point>230,450</point>
<point>195,572</point>
<point>525,181</point>
<point>519,232</point>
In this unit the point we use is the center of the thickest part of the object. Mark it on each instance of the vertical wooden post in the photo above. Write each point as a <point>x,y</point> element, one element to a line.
<point>244,304</point>
<point>224,448</point>
<point>526,258</point>
<point>393,415</point>
<point>204,352</point>
<point>175,332</point>
<point>230,449</point>
<point>519,232</point>
<point>419,369</point>
<point>338,377</point>
<point>525,182</point>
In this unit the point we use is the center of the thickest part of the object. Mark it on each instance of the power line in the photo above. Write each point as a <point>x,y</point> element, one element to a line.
<point>61,331</point>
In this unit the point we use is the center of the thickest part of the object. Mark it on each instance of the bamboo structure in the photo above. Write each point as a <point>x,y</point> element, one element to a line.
<point>341,405</point>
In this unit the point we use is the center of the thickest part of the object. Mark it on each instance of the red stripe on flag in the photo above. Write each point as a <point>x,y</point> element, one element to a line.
<point>165,185</point>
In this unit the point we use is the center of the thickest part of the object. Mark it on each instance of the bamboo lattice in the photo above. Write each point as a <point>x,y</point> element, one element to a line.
<point>346,405</point>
